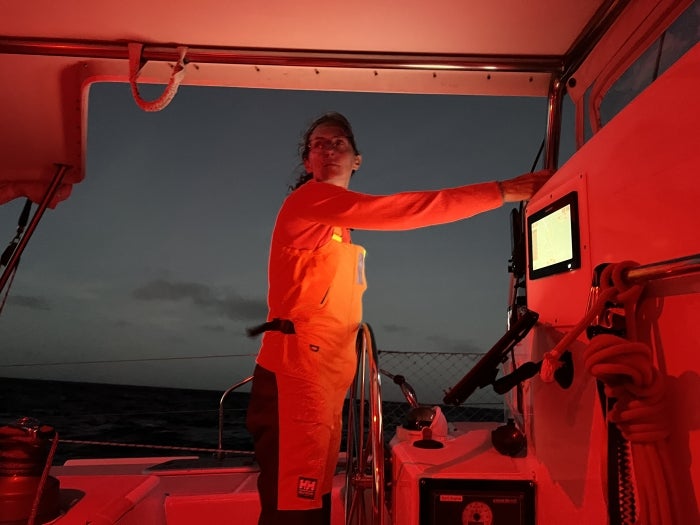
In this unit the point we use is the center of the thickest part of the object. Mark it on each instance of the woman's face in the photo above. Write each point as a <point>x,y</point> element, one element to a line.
<point>331,158</point>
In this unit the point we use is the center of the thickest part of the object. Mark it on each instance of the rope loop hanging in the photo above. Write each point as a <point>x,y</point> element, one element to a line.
<point>135,65</point>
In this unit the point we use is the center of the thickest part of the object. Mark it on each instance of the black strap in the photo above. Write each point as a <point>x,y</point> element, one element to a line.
<point>21,224</point>
<point>276,325</point>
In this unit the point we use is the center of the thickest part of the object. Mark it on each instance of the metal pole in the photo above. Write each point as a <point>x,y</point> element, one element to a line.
<point>598,26</point>
<point>61,170</point>
<point>286,57</point>
<point>554,110</point>
<point>663,269</point>
<point>220,449</point>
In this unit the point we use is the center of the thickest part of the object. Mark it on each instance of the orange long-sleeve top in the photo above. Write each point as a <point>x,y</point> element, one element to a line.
<point>316,275</point>
<point>309,214</point>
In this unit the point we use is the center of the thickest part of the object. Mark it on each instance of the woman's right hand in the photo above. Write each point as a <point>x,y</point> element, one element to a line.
<point>523,187</point>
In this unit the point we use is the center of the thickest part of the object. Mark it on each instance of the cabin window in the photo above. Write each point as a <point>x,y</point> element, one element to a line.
<point>567,142</point>
<point>587,128</point>
<point>661,55</point>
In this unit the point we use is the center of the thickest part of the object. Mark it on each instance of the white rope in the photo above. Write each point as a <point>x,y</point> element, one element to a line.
<point>178,74</point>
<point>626,368</point>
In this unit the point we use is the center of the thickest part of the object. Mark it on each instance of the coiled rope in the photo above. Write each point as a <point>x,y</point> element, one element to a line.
<point>626,368</point>
<point>178,74</point>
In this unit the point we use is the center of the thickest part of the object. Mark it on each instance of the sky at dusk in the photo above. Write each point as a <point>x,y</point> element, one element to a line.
<point>150,272</point>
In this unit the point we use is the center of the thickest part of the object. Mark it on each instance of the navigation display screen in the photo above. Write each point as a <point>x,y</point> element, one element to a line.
<point>553,238</point>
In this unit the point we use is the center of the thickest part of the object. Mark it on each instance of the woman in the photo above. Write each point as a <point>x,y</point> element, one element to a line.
<point>316,280</point>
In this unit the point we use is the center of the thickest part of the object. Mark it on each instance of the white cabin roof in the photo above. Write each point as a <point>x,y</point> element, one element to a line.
<point>51,52</point>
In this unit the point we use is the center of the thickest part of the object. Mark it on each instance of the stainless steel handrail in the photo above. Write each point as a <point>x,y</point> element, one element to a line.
<point>663,269</point>
<point>220,448</point>
<point>261,56</point>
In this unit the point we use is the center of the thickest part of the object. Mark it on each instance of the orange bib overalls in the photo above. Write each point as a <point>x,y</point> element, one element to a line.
<point>313,367</point>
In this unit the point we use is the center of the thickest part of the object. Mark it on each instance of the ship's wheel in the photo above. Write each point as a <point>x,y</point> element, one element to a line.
<point>364,483</point>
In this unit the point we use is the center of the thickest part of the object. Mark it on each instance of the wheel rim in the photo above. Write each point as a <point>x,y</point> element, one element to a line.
<point>364,478</point>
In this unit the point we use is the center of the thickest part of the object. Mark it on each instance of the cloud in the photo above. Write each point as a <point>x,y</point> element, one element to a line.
<point>395,328</point>
<point>438,342</point>
<point>33,303</point>
<point>213,328</point>
<point>446,344</point>
<point>231,306</point>
<point>163,290</point>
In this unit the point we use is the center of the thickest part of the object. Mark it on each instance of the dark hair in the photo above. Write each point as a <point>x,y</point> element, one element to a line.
<point>333,118</point>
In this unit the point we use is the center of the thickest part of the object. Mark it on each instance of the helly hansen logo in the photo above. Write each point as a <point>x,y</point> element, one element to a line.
<point>307,488</point>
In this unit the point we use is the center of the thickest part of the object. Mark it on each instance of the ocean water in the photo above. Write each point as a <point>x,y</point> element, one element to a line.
<point>125,414</point>
<point>154,421</point>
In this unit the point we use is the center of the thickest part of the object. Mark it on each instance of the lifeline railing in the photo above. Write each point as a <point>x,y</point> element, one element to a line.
<point>220,449</point>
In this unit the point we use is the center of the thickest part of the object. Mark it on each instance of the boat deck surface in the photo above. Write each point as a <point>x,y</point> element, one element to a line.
<point>192,490</point>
